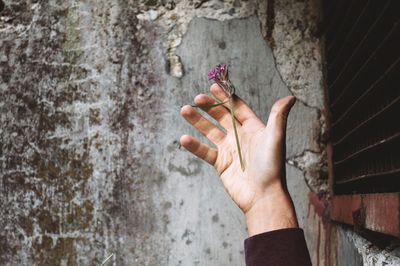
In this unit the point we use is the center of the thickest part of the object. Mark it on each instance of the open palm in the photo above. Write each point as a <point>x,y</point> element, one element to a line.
<point>263,146</point>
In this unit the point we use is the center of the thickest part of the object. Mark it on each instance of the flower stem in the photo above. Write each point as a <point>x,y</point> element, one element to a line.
<point>209,105</point>
<point>236,133</point>
<point>107,259</point>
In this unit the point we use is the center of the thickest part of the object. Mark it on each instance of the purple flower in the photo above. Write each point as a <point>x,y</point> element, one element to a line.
<point>222,68</point>
<point>219,72</point>
<point>220,75</point>
<point>213,73</point>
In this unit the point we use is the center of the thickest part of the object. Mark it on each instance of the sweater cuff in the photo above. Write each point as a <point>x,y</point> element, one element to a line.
<point>279,247</point>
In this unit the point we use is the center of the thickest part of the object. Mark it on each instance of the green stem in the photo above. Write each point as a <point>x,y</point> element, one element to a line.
<point>209,106</point>
<point>236,133</point>
<point>107,259</point>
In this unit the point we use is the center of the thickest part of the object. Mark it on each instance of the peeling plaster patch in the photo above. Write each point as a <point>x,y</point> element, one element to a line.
<point>176,20</point>
<point>297,51</point>
<point>288,27</point>
<point>313,166</point>
<point>298,59</point>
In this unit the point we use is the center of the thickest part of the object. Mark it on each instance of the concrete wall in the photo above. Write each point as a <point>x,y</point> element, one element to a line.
<point>89,105</point>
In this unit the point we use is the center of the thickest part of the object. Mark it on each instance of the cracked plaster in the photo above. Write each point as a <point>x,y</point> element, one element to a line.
<point>90,101</point>
<point>91,108</point>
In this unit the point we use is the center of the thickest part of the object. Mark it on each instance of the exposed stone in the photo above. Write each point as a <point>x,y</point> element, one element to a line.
<point>369,254</point>
<point>313,166</point>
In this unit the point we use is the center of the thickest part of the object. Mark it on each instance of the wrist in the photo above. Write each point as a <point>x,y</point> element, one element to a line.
<point>272,211</point>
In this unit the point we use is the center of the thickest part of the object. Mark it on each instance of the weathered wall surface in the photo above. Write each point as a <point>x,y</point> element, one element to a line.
<point>89,106</point>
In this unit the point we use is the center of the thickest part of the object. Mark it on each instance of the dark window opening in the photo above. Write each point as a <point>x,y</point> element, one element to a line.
<point>363,75</point>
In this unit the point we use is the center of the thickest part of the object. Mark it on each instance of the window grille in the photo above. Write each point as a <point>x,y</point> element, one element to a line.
<point>362,52</point>
<point>363,76</point>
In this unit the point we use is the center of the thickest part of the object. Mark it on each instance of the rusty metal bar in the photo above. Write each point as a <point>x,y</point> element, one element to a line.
<point>352,179</point>
<point>379,143</point>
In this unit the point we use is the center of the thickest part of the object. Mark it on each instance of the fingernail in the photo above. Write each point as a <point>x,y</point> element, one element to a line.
<point>292,101</point>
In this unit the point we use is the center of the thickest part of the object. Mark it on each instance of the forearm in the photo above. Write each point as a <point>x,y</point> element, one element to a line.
<point>275,238</point>
<point>271,212</point>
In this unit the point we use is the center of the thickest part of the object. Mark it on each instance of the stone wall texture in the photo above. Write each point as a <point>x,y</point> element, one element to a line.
<point>90,162</point>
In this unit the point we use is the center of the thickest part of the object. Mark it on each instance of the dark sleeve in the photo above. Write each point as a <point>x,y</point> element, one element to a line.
<point>280,247</point>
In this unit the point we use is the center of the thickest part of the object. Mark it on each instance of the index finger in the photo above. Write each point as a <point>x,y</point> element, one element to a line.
<point>243,112</point>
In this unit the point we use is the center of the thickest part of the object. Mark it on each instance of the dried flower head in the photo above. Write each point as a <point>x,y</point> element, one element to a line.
<point>220,75</point>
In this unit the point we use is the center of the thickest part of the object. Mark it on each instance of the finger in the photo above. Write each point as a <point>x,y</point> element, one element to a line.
<point>276,125</point>
<point>205,127</point>
<point>243,112</point>
<point>199,149</point>
<point>219,113</point>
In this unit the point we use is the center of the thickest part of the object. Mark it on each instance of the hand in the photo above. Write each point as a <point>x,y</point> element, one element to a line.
<point>259,190</point>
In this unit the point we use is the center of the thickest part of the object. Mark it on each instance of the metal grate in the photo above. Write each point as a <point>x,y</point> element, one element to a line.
<point>363,76</point>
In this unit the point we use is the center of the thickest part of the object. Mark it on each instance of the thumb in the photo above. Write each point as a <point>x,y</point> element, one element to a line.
<point>276,126</point>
